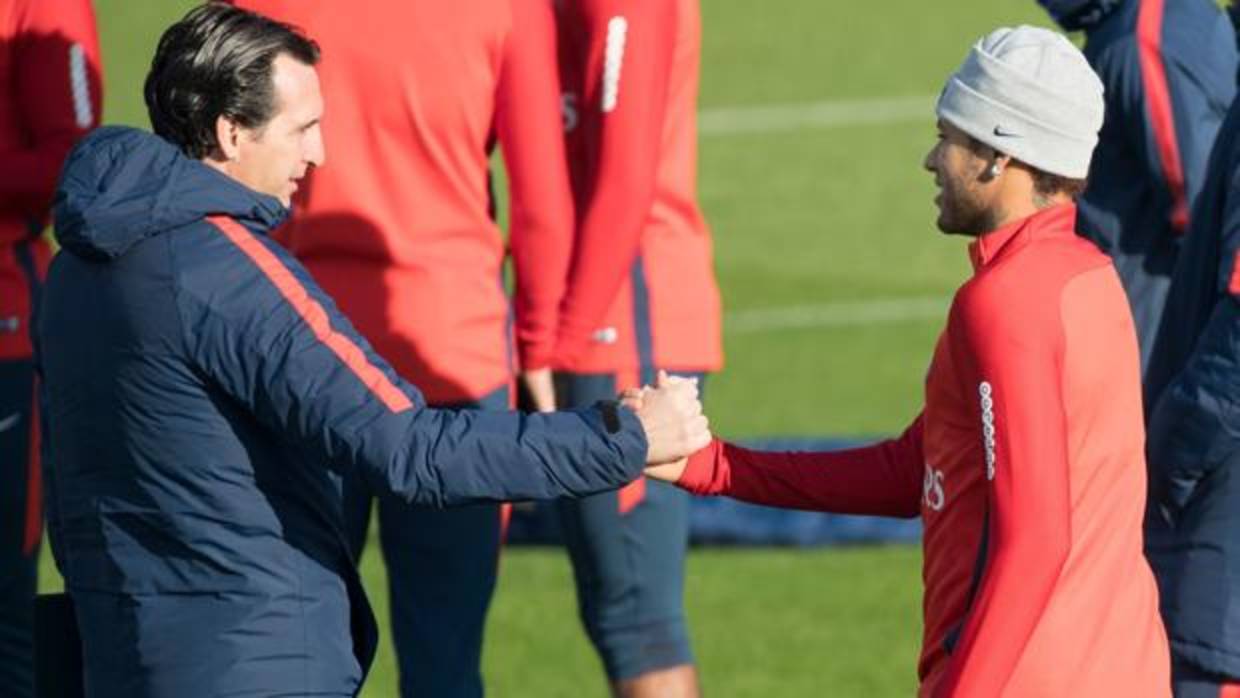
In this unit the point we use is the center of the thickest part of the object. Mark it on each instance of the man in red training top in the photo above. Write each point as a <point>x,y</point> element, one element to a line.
<point>1026,464</point>
<point>641,296</point>
<point>398,229</point>
<point>50,79</point>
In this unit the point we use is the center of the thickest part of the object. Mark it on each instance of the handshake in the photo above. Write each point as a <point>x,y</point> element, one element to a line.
<point>671,415</point>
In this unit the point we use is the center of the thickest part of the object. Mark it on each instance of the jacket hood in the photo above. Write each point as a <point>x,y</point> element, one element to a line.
<point>122,185</point>
<point>1074,15</point>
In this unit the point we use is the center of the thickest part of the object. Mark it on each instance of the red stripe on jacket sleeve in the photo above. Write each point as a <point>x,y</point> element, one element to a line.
<point>1158,104</point>
<point>1233,284</point>
<point>313,314</point>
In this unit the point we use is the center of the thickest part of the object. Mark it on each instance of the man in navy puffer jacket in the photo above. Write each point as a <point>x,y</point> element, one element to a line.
<point>203,397</point>
<point>1193,441</point>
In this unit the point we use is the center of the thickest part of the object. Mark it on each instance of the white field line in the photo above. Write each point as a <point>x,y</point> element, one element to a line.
<point>723,121</point>
<point>832,113</point>
<point>878,311</point>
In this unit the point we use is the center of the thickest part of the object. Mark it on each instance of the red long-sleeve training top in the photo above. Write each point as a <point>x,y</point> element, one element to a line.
<point>50,79</point>
<point>1029,453</point>
<point>397,224</point>
<point>641,288</point>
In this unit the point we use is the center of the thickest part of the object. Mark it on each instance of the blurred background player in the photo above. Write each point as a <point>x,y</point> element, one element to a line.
<point>1194,438</point>
<point>1233,13</point>
<point>641,296</point>
<point>1169,68</point>
<point>50,82</point>
<point>398,228</point>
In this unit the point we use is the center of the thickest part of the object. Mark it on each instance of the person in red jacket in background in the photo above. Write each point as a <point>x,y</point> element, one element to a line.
<point>641,297</point>
<point>50,79</point>
<point>1027,463</point>
<point>398,228</point>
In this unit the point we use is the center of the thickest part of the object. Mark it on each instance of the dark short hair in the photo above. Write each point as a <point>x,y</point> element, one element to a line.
<point>1044,183</point>
<point>217,62</point>
<point>1047,184</point>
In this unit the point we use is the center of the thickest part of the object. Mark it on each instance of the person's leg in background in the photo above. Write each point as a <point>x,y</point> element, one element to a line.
<point>628,553</point>
<point>20,526</point>
<point>442,566</point>
<point>1198,588</point>
<point>21,513</point>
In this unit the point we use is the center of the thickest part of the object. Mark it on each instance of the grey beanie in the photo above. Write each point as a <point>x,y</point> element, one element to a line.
<point>1028,93</point>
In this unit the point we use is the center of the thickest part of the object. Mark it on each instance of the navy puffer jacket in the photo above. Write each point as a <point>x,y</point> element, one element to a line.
<point>1193,442</point>
<point>203,398</point>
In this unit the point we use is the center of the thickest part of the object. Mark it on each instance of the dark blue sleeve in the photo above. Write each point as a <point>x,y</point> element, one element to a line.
<point>1119,70</point>
<point>1195,424</point>
<point>1227,279</point>
<point>1201,78</point>
<point>1194,88</point>
<point>260,328</point>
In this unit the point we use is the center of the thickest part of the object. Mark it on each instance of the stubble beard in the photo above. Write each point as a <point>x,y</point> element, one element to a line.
<point>961,214</point>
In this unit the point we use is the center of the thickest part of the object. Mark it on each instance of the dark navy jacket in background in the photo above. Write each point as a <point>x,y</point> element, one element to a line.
<point>1193,441</point>
<point>203,397</point>
<point>1169,69</point>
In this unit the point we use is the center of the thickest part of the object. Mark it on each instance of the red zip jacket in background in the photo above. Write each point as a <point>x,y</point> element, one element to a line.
<point>50,79</point>
<point>51,86</point>
<point>629,70</point>
<point>1029,456</point>
<point>397,225</point>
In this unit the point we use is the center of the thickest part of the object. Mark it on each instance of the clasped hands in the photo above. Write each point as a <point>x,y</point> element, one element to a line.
<point>671,414</point>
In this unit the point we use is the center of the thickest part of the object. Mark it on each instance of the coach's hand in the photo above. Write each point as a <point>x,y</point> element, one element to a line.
<point>668,472</point>
<point>671,415</point>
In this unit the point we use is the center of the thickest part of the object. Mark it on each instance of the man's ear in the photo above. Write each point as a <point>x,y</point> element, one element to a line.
<point>998,163</point>
<point>228,135</point>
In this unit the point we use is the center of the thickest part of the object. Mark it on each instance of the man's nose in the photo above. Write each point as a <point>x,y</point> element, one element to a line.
<point>316,152</point>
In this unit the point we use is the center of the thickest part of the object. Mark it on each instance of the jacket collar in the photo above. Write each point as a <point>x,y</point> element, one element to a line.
<point>122,185</point>
<point>1053,221</point>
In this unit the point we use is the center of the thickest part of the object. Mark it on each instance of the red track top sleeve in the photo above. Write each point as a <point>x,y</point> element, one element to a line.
<point>1010,352</point>
<point>57,92</point>
<point>541,215</point>
<point>631,44</point>
<point>883,480</point>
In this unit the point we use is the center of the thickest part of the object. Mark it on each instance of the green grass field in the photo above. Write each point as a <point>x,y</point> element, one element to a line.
<point>810,216</point>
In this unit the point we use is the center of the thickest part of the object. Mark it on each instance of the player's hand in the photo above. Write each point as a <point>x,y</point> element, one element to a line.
<point>672,418</point>
<point>541,389</point>
<point>668,472</point>
<point>633,398</point>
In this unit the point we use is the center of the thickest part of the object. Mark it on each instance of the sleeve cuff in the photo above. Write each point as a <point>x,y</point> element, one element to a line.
<point>699,476</point>
<point>570,345</point>
<point>534,358</point>
<point>628,430</point>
